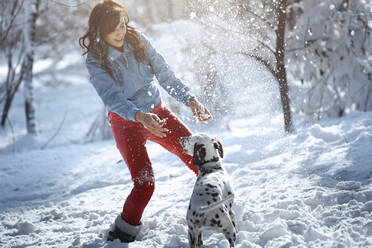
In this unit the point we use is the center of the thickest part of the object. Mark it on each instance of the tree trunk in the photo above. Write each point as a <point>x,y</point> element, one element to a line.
<point>31,8</point>
<point>280,64</point>
<point>10,89</point>
<point>171,10</point>
<point>8,99</point>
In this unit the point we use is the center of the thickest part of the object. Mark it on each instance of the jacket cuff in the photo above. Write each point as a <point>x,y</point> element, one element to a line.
<point>185,100</point>
<point>131,114</point>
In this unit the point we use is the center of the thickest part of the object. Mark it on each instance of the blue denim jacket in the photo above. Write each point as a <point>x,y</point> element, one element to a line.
<point>132,87</point>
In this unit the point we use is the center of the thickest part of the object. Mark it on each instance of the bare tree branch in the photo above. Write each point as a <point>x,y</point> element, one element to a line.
<point>238,32</point>
<point>14,13</point>
<point>57,131</point>
<point>262,61</point>
<point>259,17</point>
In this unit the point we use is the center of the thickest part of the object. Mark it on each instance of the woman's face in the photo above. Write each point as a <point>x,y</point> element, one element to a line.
<point>116,37</point>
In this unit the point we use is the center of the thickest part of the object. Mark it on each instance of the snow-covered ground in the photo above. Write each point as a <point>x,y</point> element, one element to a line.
<point>312,188</point>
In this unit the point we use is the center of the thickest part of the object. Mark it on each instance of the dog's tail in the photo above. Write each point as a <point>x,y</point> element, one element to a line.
<point>215,205</point>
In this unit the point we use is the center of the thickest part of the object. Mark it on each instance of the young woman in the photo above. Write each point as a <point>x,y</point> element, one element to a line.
<point>122,63</point>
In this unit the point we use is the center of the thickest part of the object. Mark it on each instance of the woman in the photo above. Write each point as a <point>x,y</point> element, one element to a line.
<point>122,64</point>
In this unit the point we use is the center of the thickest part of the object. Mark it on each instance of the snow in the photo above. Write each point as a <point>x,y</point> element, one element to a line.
<point>312,188</point>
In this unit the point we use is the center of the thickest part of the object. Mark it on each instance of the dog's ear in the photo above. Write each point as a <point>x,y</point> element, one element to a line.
<point>218,146</point>
<point>199,154</point>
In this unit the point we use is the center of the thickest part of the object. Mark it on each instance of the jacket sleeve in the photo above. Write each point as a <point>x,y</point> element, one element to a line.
<point>110,94</point>
<point>166,77</point>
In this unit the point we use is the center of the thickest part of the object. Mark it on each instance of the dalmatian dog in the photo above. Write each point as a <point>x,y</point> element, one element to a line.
<point>212,197</point>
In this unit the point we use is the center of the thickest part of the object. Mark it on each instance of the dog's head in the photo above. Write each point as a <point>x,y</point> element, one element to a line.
<point>202,147</point>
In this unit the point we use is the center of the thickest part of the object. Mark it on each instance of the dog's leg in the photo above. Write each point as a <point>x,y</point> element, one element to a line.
<point>199,242</point>
<point>230,234</point>
<point>195,237</point>
<point>192,240</point>
<point>229,226</point>
<point>233,219</point>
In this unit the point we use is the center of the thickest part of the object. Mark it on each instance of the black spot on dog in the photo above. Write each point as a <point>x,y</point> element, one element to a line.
<point>215,194</point>
<point>213,222</point>
<point>215,199</point>
<point>217,216</point>
<point>218,146</point>
<point>211,186</point>
<point>208,202</point>
<point>199,154</point>
<point>193,213</point>
<point>229,193</point>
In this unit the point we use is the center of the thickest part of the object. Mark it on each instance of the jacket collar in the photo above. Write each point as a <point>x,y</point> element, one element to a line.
<point>114,54</point>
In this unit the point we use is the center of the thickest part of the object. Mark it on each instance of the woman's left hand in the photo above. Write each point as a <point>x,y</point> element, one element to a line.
<point>199,111</point>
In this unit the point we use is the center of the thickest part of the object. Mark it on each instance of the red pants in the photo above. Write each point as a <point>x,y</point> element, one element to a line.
<point>130,137</point>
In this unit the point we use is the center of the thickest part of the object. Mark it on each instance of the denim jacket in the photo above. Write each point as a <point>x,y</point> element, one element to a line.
<point>132,87</point>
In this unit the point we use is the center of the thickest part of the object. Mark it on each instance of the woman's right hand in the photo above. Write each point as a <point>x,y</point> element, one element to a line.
<point>152,123</point>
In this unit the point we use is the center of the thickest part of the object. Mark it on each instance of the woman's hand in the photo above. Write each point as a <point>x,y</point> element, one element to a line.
<point>152,123</point>
<point>199,111</point>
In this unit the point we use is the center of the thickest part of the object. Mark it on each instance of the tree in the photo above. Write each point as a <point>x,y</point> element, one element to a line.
<point>264,22</point>
<point>10,36</point>
<point>324,45</point>
<point>275,63</point>
<point>330,56</point>
<point>31,9</point>
<point>18,41</point>
<point>22,42</point>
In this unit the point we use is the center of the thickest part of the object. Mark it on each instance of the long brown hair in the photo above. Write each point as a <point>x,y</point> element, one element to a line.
<point>103,20</point>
